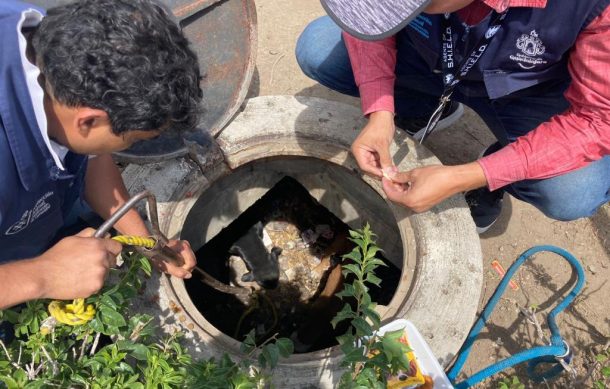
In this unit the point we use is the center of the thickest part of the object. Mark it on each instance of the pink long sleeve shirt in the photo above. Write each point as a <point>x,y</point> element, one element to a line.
<point>566,142</point>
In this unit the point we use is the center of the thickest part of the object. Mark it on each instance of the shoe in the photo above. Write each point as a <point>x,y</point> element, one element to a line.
<point>485,206</point>
<point>412,126</point>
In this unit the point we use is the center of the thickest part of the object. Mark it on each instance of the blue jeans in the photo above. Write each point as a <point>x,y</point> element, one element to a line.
<point>322,56</point>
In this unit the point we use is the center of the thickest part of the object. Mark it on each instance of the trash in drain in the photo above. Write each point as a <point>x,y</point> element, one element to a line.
<point>287,247</point>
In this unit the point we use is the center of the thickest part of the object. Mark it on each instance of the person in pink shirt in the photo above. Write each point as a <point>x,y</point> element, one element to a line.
<point>536,71</point>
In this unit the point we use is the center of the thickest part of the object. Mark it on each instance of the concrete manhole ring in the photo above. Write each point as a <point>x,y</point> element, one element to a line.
<point>442,261</point>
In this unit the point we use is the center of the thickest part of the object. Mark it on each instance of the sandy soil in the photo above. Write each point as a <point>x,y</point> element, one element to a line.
<point>586,324</point>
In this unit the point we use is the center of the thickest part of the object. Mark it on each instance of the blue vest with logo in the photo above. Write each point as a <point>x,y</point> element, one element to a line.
<point>531,46</point>
<point>35,195</point>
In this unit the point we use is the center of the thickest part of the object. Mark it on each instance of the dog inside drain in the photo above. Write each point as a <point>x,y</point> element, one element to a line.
<point>287,248</point>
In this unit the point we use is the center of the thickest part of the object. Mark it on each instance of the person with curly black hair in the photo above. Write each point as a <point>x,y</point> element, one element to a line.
<point>90,78</point>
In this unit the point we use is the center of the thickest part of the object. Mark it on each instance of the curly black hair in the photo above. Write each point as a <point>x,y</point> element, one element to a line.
<point>125,57</point>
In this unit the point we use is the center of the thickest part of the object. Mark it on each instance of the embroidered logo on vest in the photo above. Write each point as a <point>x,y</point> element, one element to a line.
<point>422,25</point>
<point>40,208</point>
<point>531,47</point>
<point>491,31</point>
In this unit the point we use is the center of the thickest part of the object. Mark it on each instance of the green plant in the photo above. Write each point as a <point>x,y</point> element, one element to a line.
<point>603,361</point>
<point>250,372</point>
<point>117,351</point>
<point>369,358</point>
<point>135,358</point>
<point>510,383</point>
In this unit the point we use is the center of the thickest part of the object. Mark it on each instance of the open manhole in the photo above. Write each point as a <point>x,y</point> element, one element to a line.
<point>295,293</point>
<point>437,253</point>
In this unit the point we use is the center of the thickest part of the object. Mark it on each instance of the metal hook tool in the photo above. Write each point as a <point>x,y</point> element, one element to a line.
<point>160,250</point>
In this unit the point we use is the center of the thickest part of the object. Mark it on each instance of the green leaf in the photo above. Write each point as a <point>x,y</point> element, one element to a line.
<point>606,371</point>
<point>249,343</point>
<point>272,354</point>
<point>285,346</point>
<point>354,255</point>
<point>123,367</point>
<point>355,234</point>
<point>38,384</point>
<point>352,268</point>
<point>346,338</point>
<point>243,382</point>
<point>348,291</point>
<point>9,382</point>
<point>362,327</point>
<point>348,347</point>
<point>140,327</point>
<point>378,360</point>
<point>97,325</point>
<point>601,358</point>
<point>359,242</point>
<point>394,349</point>
<point>372,315</point>
<point>371,251</point>
<point>262,361</point>
<point>345,313</point>
<point>373,264</point>
<point>145,265</point>
<point>365,301</point>
<point>356,355</point>
<point>360,288</point>
<point>373,279</point>
<point>138,351</point>
<point>10,315</point>
<point>369,374</point>
<point>34,325</point>
<point>111,317</point>
<point>394,335</point>
<point>20,376</point>
<point>108,301</point>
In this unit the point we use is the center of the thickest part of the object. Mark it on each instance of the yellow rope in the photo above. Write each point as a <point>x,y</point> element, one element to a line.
<point>73,314</point>
<point>77,313</point>
<point>139,241</point>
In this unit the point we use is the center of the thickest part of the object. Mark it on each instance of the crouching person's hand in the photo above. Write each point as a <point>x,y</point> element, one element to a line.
<point>371,149</point>
<point>76,266</point>
<point>422,188</point>
<point>183,248</point>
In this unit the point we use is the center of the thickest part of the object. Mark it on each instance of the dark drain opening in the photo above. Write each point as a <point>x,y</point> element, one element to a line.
<point>312,240</point>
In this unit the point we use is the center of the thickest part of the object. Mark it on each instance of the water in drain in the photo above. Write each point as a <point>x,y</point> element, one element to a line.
<point>312,240</point>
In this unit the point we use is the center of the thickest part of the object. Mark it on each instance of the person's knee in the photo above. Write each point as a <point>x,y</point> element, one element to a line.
<point>567,212</point>
<point>570,196</point>
<point>305,51</point>
<point>558,204</point>
<point>309,53</point>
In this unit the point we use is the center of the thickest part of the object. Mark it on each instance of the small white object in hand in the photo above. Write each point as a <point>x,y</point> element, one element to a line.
<point>386,173</point>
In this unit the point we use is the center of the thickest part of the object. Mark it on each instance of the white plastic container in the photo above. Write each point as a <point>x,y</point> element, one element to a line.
<point>426,360</point>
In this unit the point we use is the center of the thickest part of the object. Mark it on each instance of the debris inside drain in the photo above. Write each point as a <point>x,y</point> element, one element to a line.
<point>299,301</point>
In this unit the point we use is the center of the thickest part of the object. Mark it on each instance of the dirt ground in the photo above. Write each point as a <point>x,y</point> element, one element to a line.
<point>585,325</point>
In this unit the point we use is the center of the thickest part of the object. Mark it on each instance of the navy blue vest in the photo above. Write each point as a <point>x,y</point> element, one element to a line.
<point>531,47</point>
<point>35,195</point>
